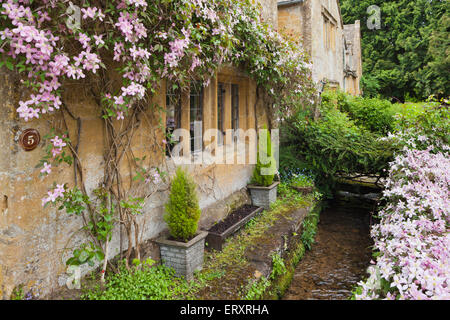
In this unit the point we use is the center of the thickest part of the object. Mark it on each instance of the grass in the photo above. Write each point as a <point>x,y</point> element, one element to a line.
<point>294,255</point>
<point>410,109</point>
<point>302,181</point>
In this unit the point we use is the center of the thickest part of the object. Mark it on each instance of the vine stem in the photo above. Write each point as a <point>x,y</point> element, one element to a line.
<point>105,260</point>
<point>106,251</point>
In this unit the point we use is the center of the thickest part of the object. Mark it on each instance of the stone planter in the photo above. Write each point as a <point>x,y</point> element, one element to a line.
<point>216,240</point>
<point>263,196</point>
<point>184,257</point>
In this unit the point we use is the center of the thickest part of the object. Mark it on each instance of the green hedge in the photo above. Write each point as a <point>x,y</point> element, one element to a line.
<point>376,115</point>
<point>335,144</point>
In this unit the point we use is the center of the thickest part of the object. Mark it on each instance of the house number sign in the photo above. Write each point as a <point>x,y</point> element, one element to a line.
<point>29,139</point>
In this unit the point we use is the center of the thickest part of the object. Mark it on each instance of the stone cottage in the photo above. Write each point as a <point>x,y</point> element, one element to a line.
<point>334,48</point>
<point>35,242</point>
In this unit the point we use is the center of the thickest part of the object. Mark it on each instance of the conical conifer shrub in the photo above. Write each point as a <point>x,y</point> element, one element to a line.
<point>183,210</point>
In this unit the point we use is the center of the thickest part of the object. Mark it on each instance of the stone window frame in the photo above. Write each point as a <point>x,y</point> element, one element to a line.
<point>185,114</point>
<point>244,118</point>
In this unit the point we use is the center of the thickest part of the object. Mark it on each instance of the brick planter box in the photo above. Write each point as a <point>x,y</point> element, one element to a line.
<point>184,257</point>
<point>263,196</point>
<point>216,240</point>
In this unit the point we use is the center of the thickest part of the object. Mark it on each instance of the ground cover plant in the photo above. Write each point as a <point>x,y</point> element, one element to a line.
<point>144,281</point>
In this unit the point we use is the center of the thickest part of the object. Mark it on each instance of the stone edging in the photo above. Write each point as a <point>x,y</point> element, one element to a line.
<point>273,185</point>
<point>201,235</point>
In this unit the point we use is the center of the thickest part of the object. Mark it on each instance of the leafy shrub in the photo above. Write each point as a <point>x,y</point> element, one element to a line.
<point>278,266</point>
<point>429,128</point>
<point>335,145</point>
<point>183,210</point>
<point>265,169</point>
<point>309,232</point>
<point>144,283</point>
<point>407,110</point>
<point>374,114</point>
<point>370,86</point>
<point>302,181</point>
<point>291,164</point>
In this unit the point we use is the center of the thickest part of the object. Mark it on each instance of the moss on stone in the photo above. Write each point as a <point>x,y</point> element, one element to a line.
<point>239,276</point>
<point>293,256</point>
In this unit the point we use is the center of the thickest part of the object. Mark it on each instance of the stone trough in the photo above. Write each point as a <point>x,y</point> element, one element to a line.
<point>216,240</point>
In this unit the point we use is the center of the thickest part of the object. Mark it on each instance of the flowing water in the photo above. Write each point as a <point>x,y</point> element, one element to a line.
<point>339,257</point>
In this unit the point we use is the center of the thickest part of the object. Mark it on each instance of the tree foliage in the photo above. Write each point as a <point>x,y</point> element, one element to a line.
<point>409,56</point>
<point>376,115</point>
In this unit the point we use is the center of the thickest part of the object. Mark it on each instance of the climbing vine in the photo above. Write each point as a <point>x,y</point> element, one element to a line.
<point>121,50</point>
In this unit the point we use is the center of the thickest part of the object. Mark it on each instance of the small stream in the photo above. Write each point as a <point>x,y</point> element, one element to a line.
<point>339,257</point>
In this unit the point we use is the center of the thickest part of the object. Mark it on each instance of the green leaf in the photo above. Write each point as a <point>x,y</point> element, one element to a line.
<point>72,262</point>
<point>9,65</point>
<point>84,255</point>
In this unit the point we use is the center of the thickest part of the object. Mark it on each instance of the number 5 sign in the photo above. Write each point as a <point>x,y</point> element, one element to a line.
<point>30,139</point>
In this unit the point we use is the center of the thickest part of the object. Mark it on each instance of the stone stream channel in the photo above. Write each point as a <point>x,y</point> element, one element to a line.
<point>340,255</point>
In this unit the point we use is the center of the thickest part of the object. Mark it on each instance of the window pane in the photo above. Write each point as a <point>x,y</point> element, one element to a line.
<point>220,110</point>
<point>196,115</point>
<point>173,113</point>
<point>235,106</point>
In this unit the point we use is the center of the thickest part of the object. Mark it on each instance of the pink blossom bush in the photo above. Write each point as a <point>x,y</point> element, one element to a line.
<point>412,239</point>
<point>177,40</point>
